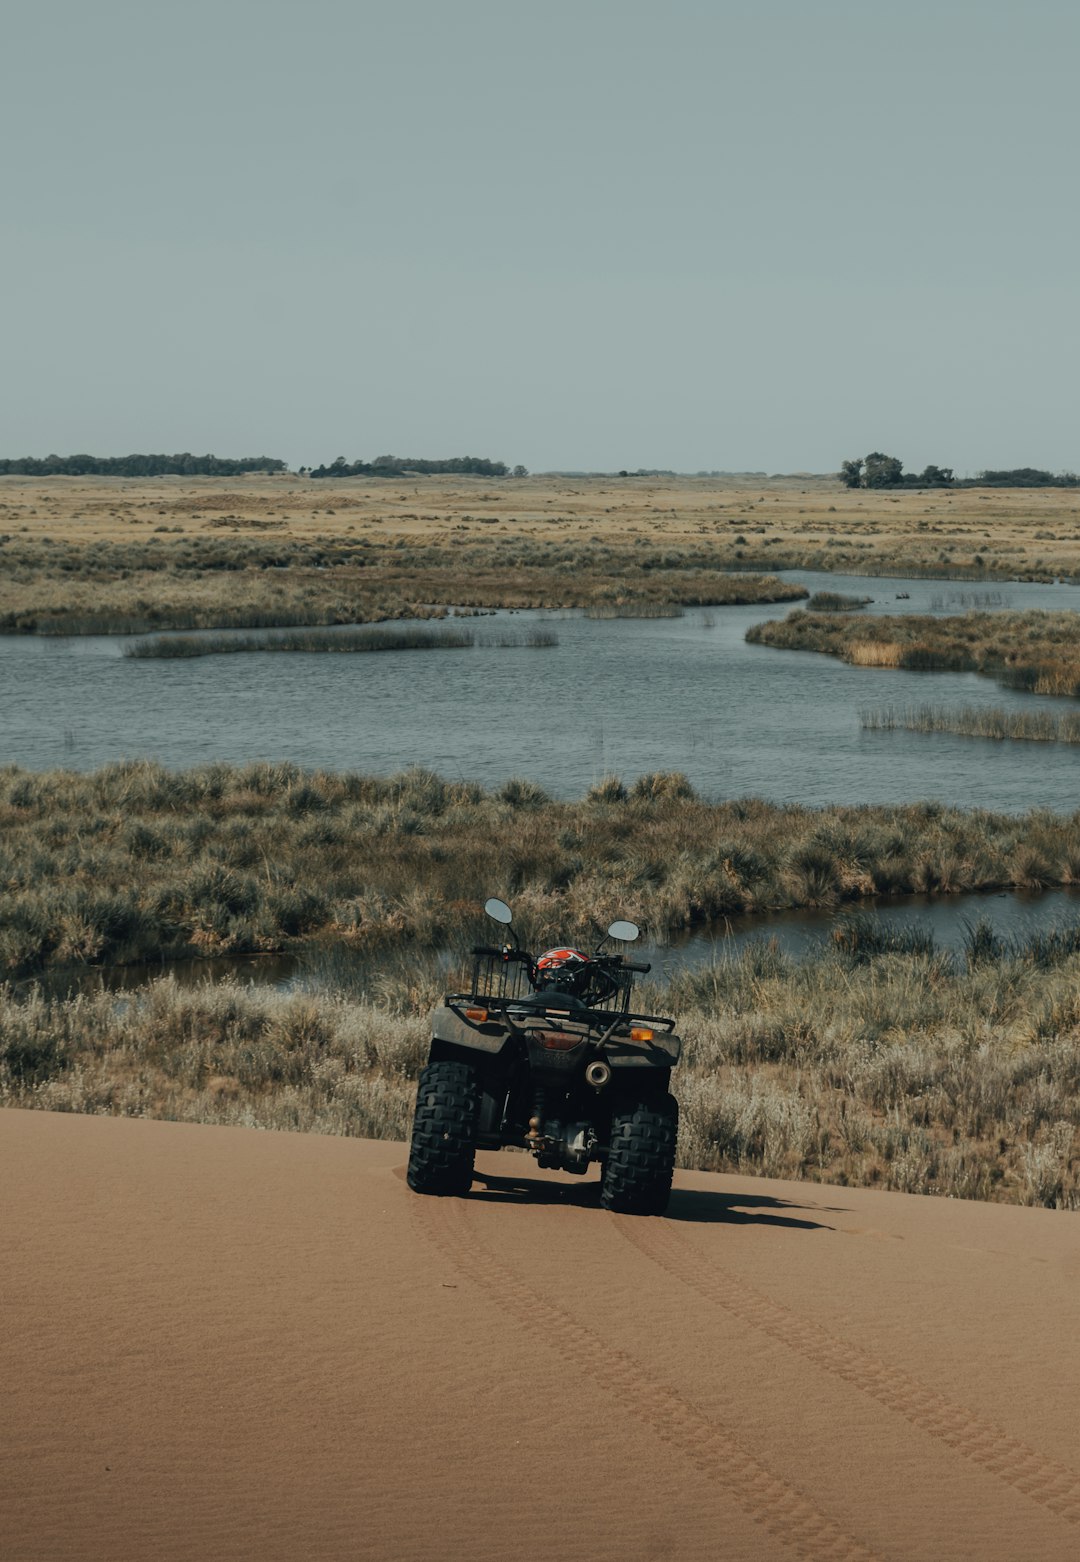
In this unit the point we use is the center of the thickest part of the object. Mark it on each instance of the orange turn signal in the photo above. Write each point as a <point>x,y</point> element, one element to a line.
<point>479,1016</point>
<point>641,1033</point>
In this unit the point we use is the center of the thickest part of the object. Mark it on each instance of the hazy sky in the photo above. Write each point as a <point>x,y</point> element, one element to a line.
<point>742,234</point>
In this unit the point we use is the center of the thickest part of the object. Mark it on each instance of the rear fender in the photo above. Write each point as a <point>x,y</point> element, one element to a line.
<point>663,1051</point>
<point>451,1030</point>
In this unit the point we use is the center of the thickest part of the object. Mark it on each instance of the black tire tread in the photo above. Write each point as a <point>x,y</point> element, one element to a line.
<point>641,1156</point>
<point>444,1129</point>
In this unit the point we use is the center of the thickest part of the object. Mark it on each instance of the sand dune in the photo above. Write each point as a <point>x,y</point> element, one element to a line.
<point>227,1344</point>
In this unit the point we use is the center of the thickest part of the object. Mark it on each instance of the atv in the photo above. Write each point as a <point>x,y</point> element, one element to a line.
<point>545,1054</point>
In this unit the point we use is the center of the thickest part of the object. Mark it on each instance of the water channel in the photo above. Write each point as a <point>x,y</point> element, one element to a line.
<point>618,696</point>
<point>948,920</point>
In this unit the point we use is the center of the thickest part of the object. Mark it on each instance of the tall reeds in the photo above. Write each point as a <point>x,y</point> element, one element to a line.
<point>873,653</point>
<point>975,721</point>
<point>634,610</point>
<point>836,602</point>
<point>444,637</point>
<point>167,647</point>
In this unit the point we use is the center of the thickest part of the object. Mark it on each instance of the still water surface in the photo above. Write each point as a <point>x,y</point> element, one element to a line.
<point>620,696</point>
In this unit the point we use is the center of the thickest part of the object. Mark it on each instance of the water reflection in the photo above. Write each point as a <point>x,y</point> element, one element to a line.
<point>946,920</point>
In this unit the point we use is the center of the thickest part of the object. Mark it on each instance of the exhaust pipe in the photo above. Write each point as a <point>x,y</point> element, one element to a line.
<point>598,1074</point>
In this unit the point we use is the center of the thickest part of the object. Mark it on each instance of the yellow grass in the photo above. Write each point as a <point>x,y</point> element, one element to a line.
<point>1033,650</point>
<point>870,653</point>
<point>1015,531</point>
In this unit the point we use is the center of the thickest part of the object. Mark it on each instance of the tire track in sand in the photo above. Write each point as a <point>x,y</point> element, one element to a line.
<point>1046,1481</point>
<point>780,1509</point>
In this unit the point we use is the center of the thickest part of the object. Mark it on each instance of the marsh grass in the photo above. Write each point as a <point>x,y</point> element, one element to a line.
<point>228,582</point>
<point>975,721</point>
<point>1035,651</point>
<point>527,639</point>
<point>135,862</point>
<point>297,552</point>
<point>836,602</point>
<point>983,600</point>
<point>874,1062</point>
<point>443,638</point>
<point>634,610</point>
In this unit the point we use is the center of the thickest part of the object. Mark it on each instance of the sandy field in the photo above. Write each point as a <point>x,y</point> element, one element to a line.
<point>219,1343</point>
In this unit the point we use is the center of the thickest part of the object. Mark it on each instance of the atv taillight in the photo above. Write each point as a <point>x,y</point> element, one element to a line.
<point>560,1040</point>
<point>478,1016</point>
<point>641,1033</point>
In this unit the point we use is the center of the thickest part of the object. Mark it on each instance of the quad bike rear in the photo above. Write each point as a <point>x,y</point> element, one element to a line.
<point>547,1054</point>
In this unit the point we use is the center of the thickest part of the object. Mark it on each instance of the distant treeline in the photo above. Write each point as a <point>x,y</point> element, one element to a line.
<point>397,466</point>
<point>185,465</point>
<point>878,470</point>
<point>1023,477</point>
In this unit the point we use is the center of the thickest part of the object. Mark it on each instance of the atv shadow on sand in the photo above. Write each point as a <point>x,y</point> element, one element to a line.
<point>694,1205</point>
<point>743,1209</point>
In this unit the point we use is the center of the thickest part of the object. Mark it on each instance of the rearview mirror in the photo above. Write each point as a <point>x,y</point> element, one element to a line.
<point>625,932</point>
<point>499,911</point>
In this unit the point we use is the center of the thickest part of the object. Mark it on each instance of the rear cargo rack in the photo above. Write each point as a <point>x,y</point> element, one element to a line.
<point>499,973</point>
<point>500,977</point>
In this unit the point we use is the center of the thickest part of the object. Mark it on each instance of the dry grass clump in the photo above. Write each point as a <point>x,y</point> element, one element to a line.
<point>1036,651</point>
<point>871,653</point>
<point>879,1061</point>
<point>218,1053</point>
<point>975,721</point>
<point>836,602</point>
<point>895,1068</point>
<point>135,862</point>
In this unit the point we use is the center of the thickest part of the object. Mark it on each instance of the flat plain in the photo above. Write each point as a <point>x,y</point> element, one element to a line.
<point>122,554</point>
<point>1031,528</point>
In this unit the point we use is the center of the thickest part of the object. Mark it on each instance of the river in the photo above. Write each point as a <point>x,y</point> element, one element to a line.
<point>615,696</point>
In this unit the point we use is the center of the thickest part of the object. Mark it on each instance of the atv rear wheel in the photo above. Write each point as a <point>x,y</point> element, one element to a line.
<point>444,1129</point>
<point>641,1157</point>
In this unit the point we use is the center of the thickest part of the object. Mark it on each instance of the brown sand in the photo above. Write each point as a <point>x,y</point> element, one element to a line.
<point>219,1343</point>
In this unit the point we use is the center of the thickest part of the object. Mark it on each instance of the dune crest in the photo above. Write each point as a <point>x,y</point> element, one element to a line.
<point>231,1344</point>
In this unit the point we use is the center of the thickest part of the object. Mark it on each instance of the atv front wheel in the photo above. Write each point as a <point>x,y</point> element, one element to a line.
<point>444,1129</point>
<point>641,1157</point>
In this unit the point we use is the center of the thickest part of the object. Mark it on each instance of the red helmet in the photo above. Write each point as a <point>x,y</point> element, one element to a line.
<point>564,969</point>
